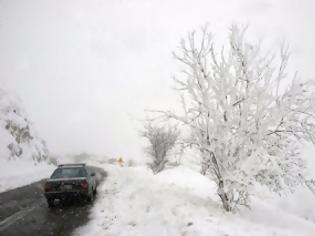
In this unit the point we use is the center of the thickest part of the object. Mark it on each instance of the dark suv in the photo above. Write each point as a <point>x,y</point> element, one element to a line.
<point>71,181</point>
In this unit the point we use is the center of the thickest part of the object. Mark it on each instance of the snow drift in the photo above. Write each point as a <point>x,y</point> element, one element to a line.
<point>180,201</point>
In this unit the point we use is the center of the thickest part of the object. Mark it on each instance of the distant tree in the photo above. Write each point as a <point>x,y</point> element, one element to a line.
<point>161,141</point>
<point>245,120</point>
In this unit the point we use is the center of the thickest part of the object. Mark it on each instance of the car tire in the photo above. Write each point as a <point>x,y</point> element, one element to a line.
<point>51,203</point>
<point>95,191</point>
<point>90,198</point>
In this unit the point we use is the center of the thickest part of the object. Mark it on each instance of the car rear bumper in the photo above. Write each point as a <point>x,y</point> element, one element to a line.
<point>66,195</point>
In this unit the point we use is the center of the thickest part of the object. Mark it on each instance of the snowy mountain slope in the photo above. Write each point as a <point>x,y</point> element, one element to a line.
<point>18,140</point>
<point>180,201</point>
<point>23,154</point>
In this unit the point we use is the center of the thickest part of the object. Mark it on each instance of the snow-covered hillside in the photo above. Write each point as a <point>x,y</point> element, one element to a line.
<point>180,201</point>
<point>18,139</point>
<point>23,154</point>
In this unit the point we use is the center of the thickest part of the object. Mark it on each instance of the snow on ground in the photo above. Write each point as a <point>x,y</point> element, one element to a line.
<point>180,201</point>
<point>17,173</point>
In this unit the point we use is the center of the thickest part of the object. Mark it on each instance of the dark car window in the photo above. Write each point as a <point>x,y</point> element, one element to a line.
<point>69,173</point>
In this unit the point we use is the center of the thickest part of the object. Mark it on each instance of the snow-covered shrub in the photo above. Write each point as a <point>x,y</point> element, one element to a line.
<point>17,136</point>
<point>245,114</point>
<point>161,141</point>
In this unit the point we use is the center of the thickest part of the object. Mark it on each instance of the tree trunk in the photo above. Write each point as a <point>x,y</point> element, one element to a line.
<point>222,194</point>
<point>224,197</point>
<point>158,167</point>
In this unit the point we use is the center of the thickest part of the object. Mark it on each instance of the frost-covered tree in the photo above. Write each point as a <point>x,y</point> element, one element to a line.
<point>246,115</point>
<point>161,141</point>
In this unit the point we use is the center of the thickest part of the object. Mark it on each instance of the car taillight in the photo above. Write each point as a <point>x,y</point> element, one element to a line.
<point>84,184</point>
<point>48,187</point>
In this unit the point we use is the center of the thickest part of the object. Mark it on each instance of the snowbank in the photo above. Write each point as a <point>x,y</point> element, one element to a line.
<point>17,173</point>
<point>180,201</point>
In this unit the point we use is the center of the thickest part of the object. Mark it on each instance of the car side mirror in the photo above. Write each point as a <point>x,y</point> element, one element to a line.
<point>93,174</point>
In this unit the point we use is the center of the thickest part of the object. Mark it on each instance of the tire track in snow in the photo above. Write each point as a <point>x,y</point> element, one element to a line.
<point>14,218</point>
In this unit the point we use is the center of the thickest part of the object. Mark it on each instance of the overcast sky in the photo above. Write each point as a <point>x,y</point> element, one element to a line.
<point>87,70</point>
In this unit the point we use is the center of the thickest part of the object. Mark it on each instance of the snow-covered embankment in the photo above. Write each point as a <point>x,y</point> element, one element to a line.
<point>180,201</point>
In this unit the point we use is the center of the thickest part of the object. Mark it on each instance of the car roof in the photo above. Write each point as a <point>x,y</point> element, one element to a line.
<point>75,165</point>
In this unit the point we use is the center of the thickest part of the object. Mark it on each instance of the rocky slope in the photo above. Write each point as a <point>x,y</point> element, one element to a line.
<point>18,139</point>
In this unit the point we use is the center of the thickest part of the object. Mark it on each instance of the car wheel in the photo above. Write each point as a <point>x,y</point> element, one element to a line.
<point>90,198</point>
<point>51,203</point>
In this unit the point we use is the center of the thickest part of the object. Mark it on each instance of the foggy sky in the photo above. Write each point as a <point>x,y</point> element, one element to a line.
<point>87,70</point>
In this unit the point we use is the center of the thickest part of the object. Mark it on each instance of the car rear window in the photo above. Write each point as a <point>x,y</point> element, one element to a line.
<point>69,173</point>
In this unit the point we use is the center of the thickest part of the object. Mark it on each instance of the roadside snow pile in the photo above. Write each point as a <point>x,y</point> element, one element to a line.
<point>23,155</point>
<point>17,173</point>
<point>180,201</point>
